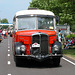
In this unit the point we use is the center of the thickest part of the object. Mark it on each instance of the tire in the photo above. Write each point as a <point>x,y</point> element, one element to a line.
<point>20,62</point>
<point>56,61</point>
<point>17,61</point>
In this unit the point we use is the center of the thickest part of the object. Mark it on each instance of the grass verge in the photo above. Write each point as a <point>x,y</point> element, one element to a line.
<point>70,53</point>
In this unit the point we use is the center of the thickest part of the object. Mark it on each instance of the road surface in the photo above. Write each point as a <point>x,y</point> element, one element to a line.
<point>7,64</point>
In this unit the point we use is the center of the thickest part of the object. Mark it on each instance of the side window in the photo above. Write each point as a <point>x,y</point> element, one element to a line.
<point>14,26</point>
<point>14,23</point>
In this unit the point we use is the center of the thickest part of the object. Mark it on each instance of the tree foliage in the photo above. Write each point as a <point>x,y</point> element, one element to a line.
<point>65,9</point>
<point>4,27</point>
<point>70,36</point>
<point>4,20</point>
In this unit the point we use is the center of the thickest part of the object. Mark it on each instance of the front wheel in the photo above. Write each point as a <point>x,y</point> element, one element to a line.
<point>20,61</point>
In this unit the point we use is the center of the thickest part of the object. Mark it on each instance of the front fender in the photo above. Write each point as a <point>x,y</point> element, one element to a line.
<point>60,48</point>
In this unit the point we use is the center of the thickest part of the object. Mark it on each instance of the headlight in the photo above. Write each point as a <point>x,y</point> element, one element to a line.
<point>18,48</point>
<point>56,47</point>
<point>23,47</point>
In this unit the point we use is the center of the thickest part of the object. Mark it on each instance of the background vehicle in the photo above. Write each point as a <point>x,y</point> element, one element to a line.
<point>34,36</point>
<point>0,35</point>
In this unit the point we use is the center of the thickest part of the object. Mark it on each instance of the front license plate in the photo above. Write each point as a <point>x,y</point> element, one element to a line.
<point>35,45</point>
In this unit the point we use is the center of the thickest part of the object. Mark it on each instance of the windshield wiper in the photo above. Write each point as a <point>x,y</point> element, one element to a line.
<point>22,28</point>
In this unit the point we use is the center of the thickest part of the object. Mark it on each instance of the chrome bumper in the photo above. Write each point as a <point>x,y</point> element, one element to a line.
<point>39,57</point>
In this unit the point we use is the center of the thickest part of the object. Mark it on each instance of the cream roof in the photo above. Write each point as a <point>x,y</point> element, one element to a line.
<point>34,12</point>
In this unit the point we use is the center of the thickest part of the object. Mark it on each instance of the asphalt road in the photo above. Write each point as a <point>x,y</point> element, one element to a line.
<point>7,64</point>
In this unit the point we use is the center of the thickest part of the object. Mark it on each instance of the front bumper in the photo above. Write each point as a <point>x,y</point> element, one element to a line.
<point>39,57</point>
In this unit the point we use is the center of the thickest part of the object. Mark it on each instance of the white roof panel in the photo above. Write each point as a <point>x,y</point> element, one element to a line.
<point>34,12</point>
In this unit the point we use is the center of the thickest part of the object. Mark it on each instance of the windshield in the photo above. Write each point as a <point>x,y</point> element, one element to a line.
<point>45,23</point>
<point>28,23</point>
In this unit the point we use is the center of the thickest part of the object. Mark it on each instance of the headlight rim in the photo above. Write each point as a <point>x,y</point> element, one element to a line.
<point>23,48</point>
<point>56,47</point>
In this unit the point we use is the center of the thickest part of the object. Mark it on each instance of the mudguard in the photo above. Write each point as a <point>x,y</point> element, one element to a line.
<point>60,48</point>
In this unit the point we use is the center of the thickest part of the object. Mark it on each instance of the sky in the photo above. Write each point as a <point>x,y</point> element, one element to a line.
<point>8,8</point>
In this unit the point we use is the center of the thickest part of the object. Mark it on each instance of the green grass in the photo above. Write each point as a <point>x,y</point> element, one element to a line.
<point>70,52</point>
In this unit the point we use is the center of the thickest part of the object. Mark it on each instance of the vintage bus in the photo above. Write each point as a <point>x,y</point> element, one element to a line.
<point>34,36</point>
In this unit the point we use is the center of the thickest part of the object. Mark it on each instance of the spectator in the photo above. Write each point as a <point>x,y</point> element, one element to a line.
<point>70,41</point>
<point>4,34</point>
<point>0,31</point>
<point>73,40</point>
<point>66,45</point>
<point>59,36</point>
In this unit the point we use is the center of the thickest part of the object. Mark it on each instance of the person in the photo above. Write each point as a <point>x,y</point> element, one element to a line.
<point>0,31</point>
<point>68,44</point>
<point>0,35</point>
<point>73,40</point>
<point>59,36</point>
<point>4,34</point>
<point>65,43</point>
<point>70,41</point>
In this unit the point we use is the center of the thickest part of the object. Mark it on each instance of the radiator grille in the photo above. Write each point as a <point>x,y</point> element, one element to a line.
<point>41,39</point>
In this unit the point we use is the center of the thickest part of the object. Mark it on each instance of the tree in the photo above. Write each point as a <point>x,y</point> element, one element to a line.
<point>65,9</point>
<point>73,28</point>
<point>0,20</point>
<point>4,20</point>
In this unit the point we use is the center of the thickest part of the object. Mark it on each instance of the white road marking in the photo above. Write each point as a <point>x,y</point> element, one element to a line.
<point>8,42</point>
<point>8,74</point>
<point>8,50</point>
<point>8,55</point>
<point>9,62</point>
<point>68,61</point>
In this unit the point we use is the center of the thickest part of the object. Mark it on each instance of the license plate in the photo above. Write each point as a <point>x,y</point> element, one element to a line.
<point>35,45</point>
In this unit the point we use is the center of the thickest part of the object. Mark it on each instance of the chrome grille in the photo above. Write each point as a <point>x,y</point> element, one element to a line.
<point>41,39</point>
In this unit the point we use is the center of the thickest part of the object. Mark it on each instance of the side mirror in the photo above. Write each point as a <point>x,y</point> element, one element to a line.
<point>57,19</point>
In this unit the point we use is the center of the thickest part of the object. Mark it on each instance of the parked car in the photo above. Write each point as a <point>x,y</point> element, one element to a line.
<point>34,37</point>
<point>0,37</point>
